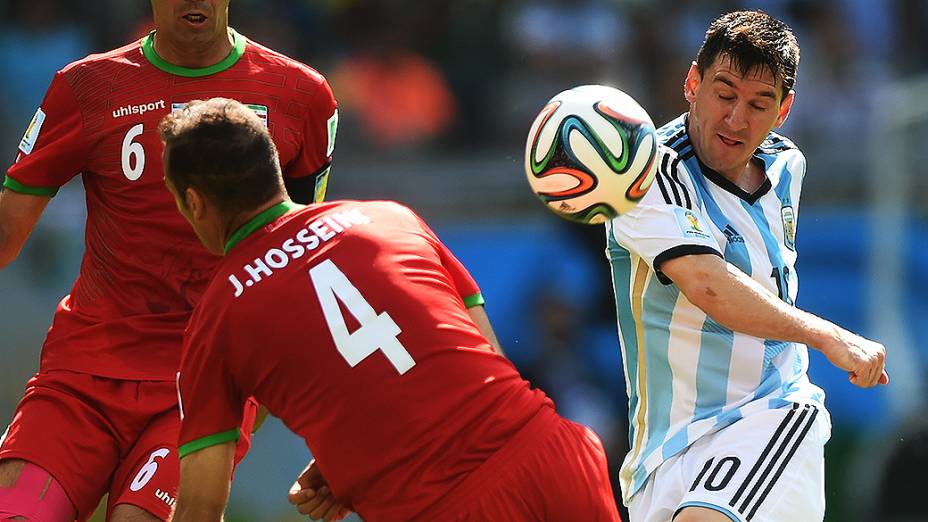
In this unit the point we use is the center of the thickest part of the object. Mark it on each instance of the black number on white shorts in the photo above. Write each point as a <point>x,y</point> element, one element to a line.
<point>713,482</point>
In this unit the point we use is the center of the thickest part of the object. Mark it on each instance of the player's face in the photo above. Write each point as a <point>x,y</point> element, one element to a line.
<point>193,22</point>
<point>731,114</point>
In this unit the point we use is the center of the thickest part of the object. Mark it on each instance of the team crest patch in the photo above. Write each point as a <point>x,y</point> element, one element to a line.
<point>690,224</point>
<point>32,132</point>
<point>789,227</point>
<point>260,110</point>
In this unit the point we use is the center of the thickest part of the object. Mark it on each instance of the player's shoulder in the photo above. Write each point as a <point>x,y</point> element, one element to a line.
<point>673,183</point>
<point>257,51</point>
<point>673,133</point>
<point>776,143</point>
<point>784,154</point>
<point>126,55</point>
<point>382,207</point>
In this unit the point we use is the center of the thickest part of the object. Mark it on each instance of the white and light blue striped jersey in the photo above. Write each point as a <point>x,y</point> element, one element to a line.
<point>687,375</point>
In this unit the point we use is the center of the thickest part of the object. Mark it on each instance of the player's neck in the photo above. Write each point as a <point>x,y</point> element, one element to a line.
<point>235,223</point>
<point>750,178</point>
<point>197,56</point>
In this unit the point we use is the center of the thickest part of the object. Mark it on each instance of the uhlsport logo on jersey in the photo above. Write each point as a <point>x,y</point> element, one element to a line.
<point>32,132</point>
<point>260,110</point>
<point>139,109</point>
<point>789,227</point>
<point>689,223</point>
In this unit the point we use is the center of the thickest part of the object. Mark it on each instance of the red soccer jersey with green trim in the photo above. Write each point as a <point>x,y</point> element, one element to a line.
<point>144,269</point>
<point>348,320</point>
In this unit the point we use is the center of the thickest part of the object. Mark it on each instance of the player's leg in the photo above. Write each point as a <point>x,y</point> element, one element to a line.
<point>767,466</point>
<point>28,492</point>
<point>59,441</point>
<point>702,514</point>
<point>130,513</point>
<point>144,487</point>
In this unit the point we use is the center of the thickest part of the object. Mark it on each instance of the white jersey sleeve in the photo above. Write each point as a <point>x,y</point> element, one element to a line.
<point>668,222</point>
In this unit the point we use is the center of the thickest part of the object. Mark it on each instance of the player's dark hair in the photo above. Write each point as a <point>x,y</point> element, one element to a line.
<point>223,149</point>
<point>752,39</point>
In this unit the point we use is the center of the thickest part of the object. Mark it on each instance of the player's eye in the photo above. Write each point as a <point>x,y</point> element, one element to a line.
<point>726,97</point>
<point>759,107</point>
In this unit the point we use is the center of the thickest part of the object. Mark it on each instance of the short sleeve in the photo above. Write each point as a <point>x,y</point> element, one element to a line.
<point>668,222</point>
<point>53,149</point>
<point>211,405</point>
<point>320,128</point>
<point>463,282</point>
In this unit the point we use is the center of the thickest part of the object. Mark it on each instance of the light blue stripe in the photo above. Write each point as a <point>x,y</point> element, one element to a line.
<point>793,384</point>
<point>756,211</point>
<point>715,348</point>
<point>638,479</point>
<point>769,382</point>
<point>713,507</point>
<point>735,253</point>
<point>783,186</point>
<point>675,444</point>
<point>659,303</point>
<point>773,348</point>
<point>621,264</point>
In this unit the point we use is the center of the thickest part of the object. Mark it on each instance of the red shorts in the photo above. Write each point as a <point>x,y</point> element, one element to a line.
<point>96,436</point>
<point>553,469</point>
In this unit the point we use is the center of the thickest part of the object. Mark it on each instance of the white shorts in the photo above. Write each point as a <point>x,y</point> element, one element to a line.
<point>767,467</point>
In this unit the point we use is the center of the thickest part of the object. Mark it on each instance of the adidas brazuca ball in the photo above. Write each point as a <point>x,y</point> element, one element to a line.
<point>590,154</point>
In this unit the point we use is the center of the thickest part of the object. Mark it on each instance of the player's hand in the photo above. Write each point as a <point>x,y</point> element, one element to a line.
<point>311,496</point>
<point>863,359</point>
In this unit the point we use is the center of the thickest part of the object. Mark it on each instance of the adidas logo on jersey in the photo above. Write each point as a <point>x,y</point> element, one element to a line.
<point>732,235</point>
<point>140,109</point>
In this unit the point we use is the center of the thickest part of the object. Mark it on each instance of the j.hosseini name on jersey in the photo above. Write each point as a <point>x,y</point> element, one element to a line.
<point>305,240</point>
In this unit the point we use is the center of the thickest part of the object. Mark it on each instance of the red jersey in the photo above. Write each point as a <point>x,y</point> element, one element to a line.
<point>144,269</point>
<point>348,320</point>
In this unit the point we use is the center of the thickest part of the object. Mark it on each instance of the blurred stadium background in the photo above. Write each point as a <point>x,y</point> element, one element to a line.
<point>436,99</point>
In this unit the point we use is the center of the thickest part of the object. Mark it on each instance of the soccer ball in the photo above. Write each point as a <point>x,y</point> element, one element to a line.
<point>590,155</point>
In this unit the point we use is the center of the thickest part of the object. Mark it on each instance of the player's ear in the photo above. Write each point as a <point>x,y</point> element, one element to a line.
<point>195,202</point>
<point>785,107</point>
<point>691,83</point>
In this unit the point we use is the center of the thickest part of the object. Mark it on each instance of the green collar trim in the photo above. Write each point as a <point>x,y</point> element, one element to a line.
<point>259,221</point>
<point>238,49</point>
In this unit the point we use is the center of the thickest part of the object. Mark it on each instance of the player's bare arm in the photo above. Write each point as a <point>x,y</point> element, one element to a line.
<point>478,315</point>
<point>18,216</point>
<point>205,480</point>
<point>738,302</point>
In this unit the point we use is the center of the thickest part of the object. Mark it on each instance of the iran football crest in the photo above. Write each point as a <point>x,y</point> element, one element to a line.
<point>789,227</point>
